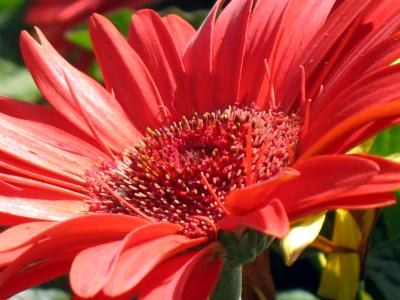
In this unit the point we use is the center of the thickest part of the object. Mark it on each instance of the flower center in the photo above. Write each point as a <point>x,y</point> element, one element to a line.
<point>183,172</point>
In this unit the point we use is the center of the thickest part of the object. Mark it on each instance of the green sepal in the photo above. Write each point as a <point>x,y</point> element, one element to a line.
<point>237,252</point>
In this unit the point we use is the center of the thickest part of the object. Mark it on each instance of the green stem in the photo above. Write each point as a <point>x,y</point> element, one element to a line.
<point>229,285</point>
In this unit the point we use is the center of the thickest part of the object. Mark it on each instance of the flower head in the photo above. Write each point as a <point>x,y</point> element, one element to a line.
<point>234,126</point>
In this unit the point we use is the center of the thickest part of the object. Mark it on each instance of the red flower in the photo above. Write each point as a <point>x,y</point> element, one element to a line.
<point>250,117</point>
<point>55,17</point>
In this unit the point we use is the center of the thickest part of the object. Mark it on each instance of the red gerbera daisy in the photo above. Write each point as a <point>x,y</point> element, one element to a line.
<point>222,129</point>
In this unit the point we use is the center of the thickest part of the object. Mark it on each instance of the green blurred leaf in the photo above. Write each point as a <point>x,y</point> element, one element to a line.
<point>16,82</point>
<point>41,294</point>
<point>296,295</point>
<point>391,217</point>
<point>387,142</point>
<point>80,37</point>
<point>383,271</point>
<point>9,4</point>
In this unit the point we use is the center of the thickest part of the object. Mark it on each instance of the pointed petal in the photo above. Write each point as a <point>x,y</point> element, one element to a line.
<point>152,41</point>
<point>198,66</point>
<point>270,220</point>
<point>133,87</point>
<point>230,31</point>
<point>180,30</point>
<point>76,96</point>
<point>251,197</point>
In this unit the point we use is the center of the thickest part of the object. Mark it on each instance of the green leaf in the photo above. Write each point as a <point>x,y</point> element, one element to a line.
<point>383,271</point>
<point>41,294</point>
<point>387,142</point>
<point>80,37</point>
<point>391,218</point>
<point>296,295</point>
<point>16,82</point>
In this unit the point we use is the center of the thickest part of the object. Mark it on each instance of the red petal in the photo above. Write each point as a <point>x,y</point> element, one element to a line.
<point>261,35</point>
<point>249,198</point>
<point>136,262</point>
<point>76,96</point>
<point>230,31</point>
<point>354,122</point>
<point>79,227</point>
<point>55,209</point>
<point>198,66</point>
<point>46,147</point>
<point>87,280</point>
<point>35,275</point>
<point>309,15</point>
<point>188,276</point>
<point>133,87</point>
<point>51,188</point>
<point>322,179</point>
<point>91,267</point>
<point>150,38</point>
<point>180,30</point>
<point>270,220</point>
<point>323,44</point>
<point>353,202</point>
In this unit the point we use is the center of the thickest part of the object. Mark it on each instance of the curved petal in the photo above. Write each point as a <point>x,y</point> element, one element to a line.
<point>188,276</point>
<point>323,178</point>
<point>137,261</point>
<point>87,281</point>
<point>251,197</point>
<point>133,87</point>
<point>80,99</point>
<point>180,30</point>
<point>35,275</point>
<point>270,220</point>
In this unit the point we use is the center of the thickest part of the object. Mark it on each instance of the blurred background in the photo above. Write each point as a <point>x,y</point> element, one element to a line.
<point>65,24</point>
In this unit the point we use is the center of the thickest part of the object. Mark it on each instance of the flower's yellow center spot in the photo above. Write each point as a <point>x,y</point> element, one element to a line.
<point>169,174</point>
